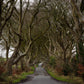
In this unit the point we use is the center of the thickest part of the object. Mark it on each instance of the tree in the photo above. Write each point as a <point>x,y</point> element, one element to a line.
<point>15,58</point>
<point>1,3</point>
<point>8,13</point>
<point>78,18</point>
<point>14,55</point>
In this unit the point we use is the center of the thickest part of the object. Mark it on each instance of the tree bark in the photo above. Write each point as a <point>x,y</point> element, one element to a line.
<point>7,52</point>
<point>80,51</point>
<point>9,68</point>
<point>1,3</point>
<point>14,55</point>
<point>22,64</point>
<point>82,6</point>
<point>79,24</point>
<point>65,61</point>
<point>10,61</point>
<point>16,66</point>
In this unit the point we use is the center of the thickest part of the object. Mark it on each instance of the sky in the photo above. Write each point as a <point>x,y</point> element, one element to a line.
<point>18,1</point>
<point>3,52</point>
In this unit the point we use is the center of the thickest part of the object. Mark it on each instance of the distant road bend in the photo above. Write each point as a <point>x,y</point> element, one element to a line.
<point>41,77</point>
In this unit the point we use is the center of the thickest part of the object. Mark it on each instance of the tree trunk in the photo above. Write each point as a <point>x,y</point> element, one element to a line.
<point>82,6</point>
<point>65,65</point>
<point>16,66</point>
<point>27,63</point>
<point>7,52</point>
<point>9,68</point>
<point>79,25</point>
<point>28,60</point>
<point>50,47</point>
<point>80,51</point>
<point>22,64</point>
<point>65,61</point>
<point>14,55</point>
<point>1,3</point>
<point>11,60</point>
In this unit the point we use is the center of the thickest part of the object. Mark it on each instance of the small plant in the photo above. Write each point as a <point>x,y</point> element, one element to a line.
<point>52,61</point>
<point>22,76</point>
<point>66,69</point>
<point>81,70</point>
<point>1,70</point>
<point>83,76</point>
<point>59,70</point>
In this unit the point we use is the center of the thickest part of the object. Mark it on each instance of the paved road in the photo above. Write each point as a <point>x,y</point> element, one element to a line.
<point>41,77</point>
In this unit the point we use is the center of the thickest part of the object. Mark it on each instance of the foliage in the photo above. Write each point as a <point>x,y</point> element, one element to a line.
<point>71,80</point>
<point>50,32</point>
<point>81,51</point>
<point>74,65</point>
<point>22,76</point>
<point>18,71</point>
<point>66,69</point>
<point>32,68</point>
<point>1,70</point>
<point>52,61</point>
<point>58,77</point>
<point>59,70</point>
<point>81,70</point>
<point>16,77</point>
<point>3,75</point>
<point>2,66</point>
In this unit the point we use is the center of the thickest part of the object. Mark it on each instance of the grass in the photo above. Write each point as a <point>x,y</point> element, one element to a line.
<point>23,76</point>
<point>73,80</point>
<point>15,78</point>
<point>58,77</point>
<point>32,68</point>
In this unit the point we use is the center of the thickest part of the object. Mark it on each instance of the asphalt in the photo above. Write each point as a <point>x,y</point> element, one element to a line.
<point>41,77</point>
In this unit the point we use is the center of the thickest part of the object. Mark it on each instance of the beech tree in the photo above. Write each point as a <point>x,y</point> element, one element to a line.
<point>78,17</point>
<point>15,57</point>
<point>46,30</point>
<point>5,13</point>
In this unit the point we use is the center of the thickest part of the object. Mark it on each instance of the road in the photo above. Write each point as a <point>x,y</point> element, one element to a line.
<point>41,77</point>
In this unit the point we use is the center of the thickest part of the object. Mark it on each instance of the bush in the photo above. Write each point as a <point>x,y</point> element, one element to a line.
<point>81,70</point>
<point>59,70</point>
<point>2,64</point>
<point>66,69</point>
<point>52,61</point>
<point>1,70</point>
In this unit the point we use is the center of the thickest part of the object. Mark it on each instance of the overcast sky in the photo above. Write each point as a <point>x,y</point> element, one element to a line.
<point>3,51</point>
<point>18,2</point>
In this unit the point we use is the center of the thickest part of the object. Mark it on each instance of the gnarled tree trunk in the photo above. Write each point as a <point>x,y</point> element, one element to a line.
<point>1,3</point>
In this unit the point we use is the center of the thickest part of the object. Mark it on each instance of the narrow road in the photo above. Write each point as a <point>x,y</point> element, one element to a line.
<point>41,77</point>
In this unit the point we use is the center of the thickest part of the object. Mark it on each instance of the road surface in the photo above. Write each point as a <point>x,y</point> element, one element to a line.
<point>41,77</point>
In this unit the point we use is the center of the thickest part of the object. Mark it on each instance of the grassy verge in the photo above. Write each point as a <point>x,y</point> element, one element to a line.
<point>73,80</point>
<point>16,77</point>
<point>59,78</point>
<point>22,76</point>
